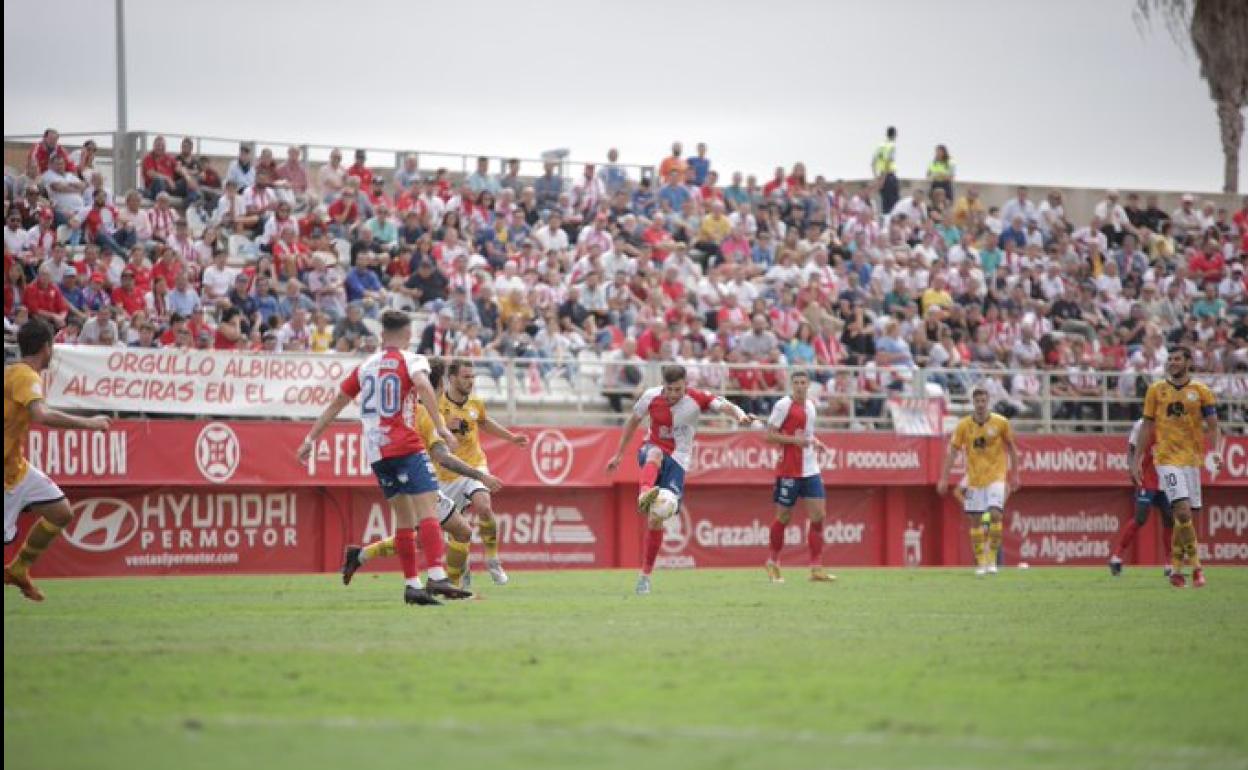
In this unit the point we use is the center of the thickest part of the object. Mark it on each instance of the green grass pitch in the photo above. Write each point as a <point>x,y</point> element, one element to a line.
<point>1048,668</point>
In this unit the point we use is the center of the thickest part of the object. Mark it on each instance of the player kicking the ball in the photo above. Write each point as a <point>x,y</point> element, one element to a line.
<point>987,441</point>
<point>452,473</point>
<point>25,486</point>
<point>1147,495</point>
<point>673,410</point>
<point>384,384</point>
<point>1177,408</point>
<point>792,426</point>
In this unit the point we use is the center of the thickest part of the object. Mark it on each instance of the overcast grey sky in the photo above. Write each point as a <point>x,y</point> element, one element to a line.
<point>1062,92</point>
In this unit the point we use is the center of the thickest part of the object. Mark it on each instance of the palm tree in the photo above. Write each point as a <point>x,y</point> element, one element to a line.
<point>1218,30</point>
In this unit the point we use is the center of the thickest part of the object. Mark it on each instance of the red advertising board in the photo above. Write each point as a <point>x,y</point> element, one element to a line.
<point>1063,527</point>
<point>164,530</point>
<point>537,528</point>
<point>178,496</point>
<point>1222,527</point>
<point>729,527</point>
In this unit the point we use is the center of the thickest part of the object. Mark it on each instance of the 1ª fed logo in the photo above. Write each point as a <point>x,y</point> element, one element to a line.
<point>552,454</point>
<point>217,452</point>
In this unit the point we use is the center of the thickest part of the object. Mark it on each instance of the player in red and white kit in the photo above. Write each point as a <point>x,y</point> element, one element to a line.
<point>664,456</point>
<point>385,382</point>
<point>792,426</point>
<point>1148,495</point>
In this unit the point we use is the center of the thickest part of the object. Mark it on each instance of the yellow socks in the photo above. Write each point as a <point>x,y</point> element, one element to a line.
<point>380,548</point>
<point>456,560</point>
<point>37,541</point>
<point>489,536</point>
<point>994,541</point>
<point>1183,545</point>
<point>977,542</point>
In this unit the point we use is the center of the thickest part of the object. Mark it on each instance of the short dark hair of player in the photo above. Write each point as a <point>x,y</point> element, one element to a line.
<point>437,368</point>
<point>673,374</point>
<point>456,364</point>
<point>979,389</point>
<point>395,320</point>
<point>34,336</point>
<point>891,133</point>
<point>1184,351</point>
<point>805,375</point>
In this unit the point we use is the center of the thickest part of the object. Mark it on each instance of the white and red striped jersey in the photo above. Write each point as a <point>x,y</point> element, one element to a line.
<point>673,426</point>
<point>1148,470</point>
<point>795,419</point>
<point>384,384</point>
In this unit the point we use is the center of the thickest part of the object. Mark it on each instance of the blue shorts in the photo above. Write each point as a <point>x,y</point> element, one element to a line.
<point>671,475</point>
<point>790,489</point>
<point>407,475</point>
<point>1153,497</point>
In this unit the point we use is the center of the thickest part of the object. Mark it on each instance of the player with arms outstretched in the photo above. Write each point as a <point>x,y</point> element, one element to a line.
<point>987,440</point>
<point>673,410</point>
<point>451,503</point>
<point>792,426</point>
<point>25,486</point>
<point>1148,495</point>
<point>1180,411</point>
<point>384,383</point>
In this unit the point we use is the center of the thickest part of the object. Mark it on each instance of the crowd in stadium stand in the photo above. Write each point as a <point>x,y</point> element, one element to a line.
<point>687,266</point>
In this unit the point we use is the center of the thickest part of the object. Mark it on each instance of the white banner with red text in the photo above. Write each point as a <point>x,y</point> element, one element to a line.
<point>195,382</point>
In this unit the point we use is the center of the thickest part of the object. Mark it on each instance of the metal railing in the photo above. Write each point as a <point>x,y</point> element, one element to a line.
<point>591,389</point>
<point>389,159</point>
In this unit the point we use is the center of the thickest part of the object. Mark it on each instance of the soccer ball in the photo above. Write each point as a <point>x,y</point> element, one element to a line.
<point>665,504</point>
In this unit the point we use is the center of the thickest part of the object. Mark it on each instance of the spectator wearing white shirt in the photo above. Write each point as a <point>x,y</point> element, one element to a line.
<point>1113,216</point>
<point>1052,213</point>
<point>242,170</point>
<point>217,280</point>
<point>1026,352</point>
<point>914,208</point>
<point>1020,206</point>
<point>64,189</point>
<point>551,235</point>
<point>1109,281</point>
<point>332,176</point>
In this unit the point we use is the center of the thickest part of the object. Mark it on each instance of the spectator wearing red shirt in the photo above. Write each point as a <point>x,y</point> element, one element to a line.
<point>159,170</point>
<point>377,196</point>
<point>229,333</point>
<point>43,299</point>
<point>650,342</point>
<point>672,287</point>
<point>138,265</point>
<point>47,149</point>
<point>128,296</point>
<point>291,257</point>
<point>1209,264</point>
<point>167,266</point>
<point>777,185</point>
<point>344,212</point>
<point>361,171</point>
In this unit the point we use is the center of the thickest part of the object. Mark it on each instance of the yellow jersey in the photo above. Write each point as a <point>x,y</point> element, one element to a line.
<point>463,420</point>
<point>1177,414</point>
<point>984,446</point>
<point>424,426</point>
<point>22,387</point>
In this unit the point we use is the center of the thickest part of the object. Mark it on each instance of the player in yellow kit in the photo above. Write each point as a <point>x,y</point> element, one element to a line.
<point>25,486</point>
<point>464,414</point>
<point>1180,410</point>
<point>988,443</point>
